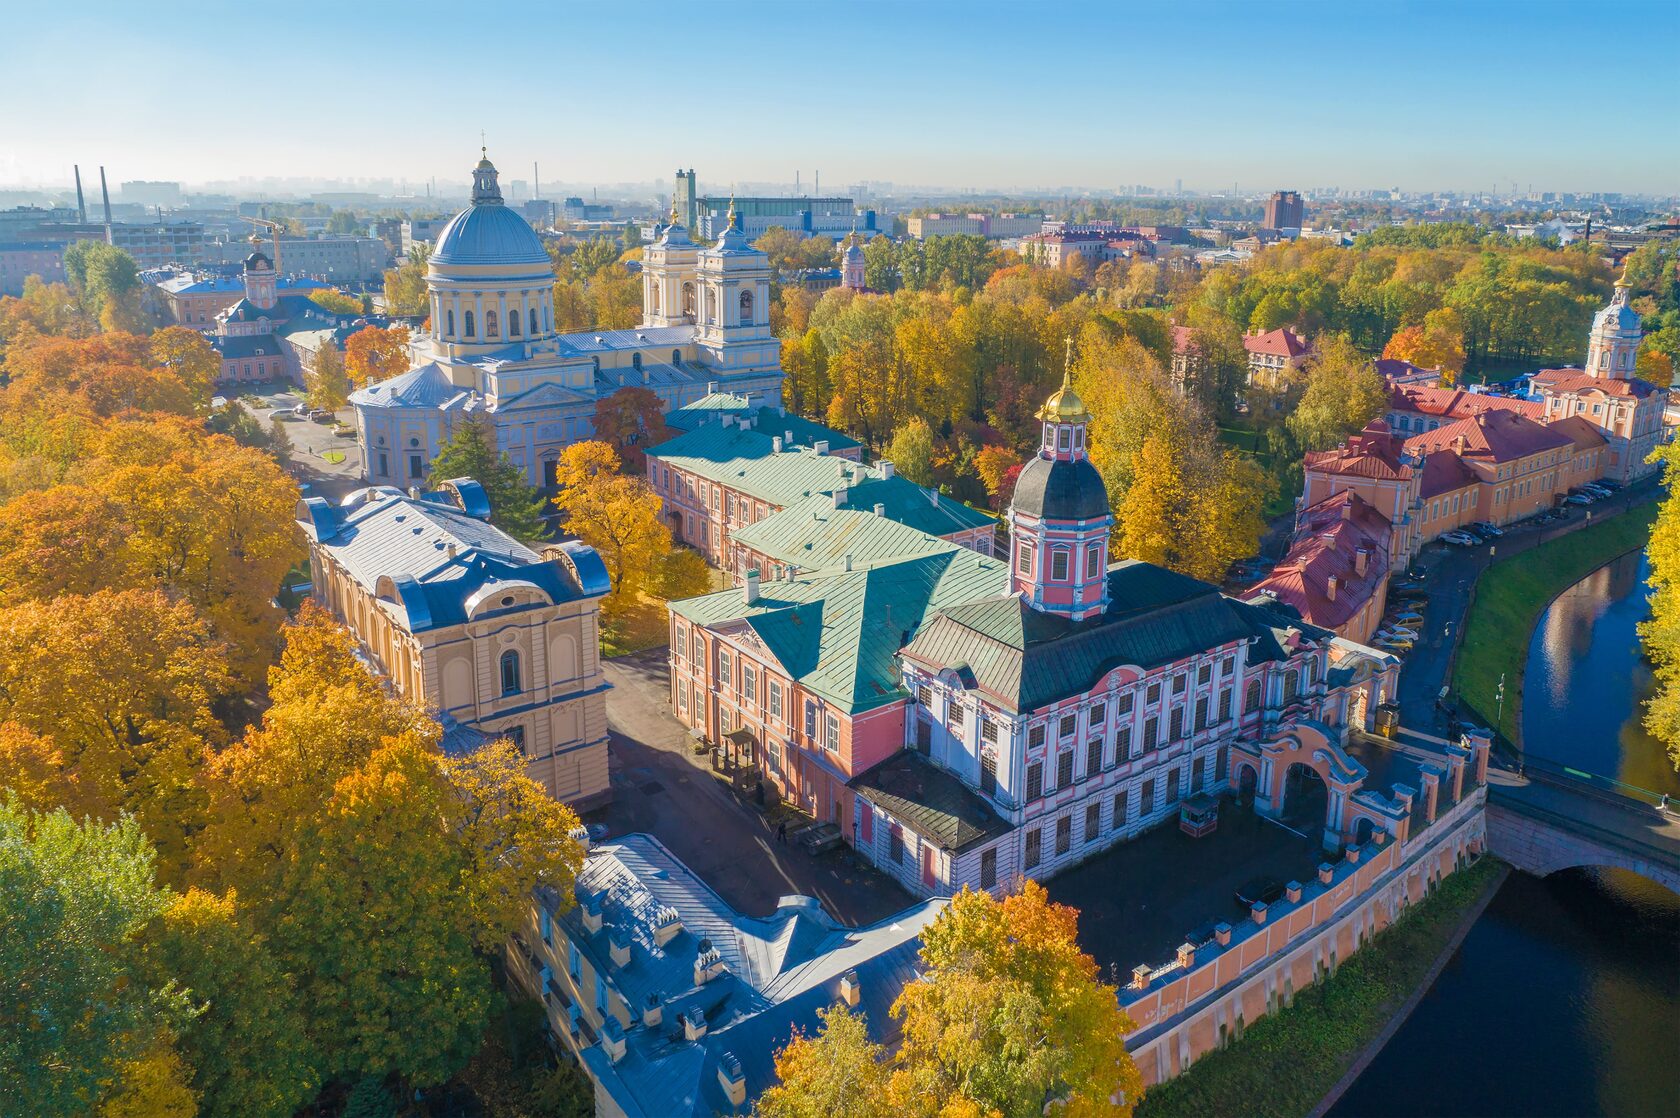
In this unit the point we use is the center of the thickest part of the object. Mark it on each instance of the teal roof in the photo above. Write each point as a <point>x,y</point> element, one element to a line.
<point>712,407</point>
<point>838,632</point>
<point>1026,659</point>
<point>813,534</point>
<point>746,460</point>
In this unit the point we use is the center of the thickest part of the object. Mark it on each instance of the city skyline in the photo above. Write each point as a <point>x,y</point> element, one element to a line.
<point>947,95</point>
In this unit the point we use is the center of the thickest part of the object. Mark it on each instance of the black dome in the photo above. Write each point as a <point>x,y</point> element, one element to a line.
<point>257,260</point>
<point>1054,490</point>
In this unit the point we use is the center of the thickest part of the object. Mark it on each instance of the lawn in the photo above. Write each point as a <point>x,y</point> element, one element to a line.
<point>333,456</point>
<point>1509,599</point>
<point>1285,1064</point>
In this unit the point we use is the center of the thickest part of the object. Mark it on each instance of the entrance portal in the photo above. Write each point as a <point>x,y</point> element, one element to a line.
<point>1305,799</point>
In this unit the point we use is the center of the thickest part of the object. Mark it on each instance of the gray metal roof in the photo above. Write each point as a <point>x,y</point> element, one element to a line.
<point>781,969</point>
<point>424,386</point>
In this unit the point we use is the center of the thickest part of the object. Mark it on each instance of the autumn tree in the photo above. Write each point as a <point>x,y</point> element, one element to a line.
<point>113,372</point>
<point>515,507</point>
<point>49,309</point>
<point>618,516</point>
<point>328,385</point>
<point>680,573</point>
<point>76,1016</point>
<point>405,285</point>
<point>245,1048</point>
<point>836,1073</point>
<point>630,420</point>
<point>373,354</point>
<point>1436,343</point>
<point>130,725</point>
<point>912,451</point>
<point>189,356</point>
<point>336,301</point>
<point>106,280</point>
<point>1344,392</point>
<point>1660,634</point>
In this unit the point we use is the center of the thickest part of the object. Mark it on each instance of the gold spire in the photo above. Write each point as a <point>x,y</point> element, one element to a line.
<point>1622,280</point>
<point>730,224</point>
<point>1065,406</point>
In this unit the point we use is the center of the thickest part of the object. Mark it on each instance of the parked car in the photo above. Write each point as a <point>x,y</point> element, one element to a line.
<point>1405,616</point>
<point>1608,483</point>
<point>1262,890</point>
<point>1487,529</point>
<point>1579,499</point>
<point>1596,489</point>
<point>1459,539</point>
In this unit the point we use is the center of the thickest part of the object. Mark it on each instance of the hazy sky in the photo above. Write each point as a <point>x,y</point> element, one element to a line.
<point>1446,94</point>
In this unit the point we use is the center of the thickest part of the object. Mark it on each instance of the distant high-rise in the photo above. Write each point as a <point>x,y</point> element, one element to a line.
<point>1285,210</point>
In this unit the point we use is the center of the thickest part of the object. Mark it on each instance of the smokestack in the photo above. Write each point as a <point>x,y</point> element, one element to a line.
<point>106,194</point>
<point>81,205</point>
<point>536,183</point>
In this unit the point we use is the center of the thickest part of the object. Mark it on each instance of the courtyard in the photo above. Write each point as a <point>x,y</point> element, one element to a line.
<point>1137,901</point>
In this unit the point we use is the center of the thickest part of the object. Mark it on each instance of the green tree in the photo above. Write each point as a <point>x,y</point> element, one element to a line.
<point>1344,393</point>
<point>107,281</point>
<point>912,451</point>
<point>405,285</point>
<point>246,1044</point>
<point>515,507</point>
<point>327,385</point>
<point>74,1010</point>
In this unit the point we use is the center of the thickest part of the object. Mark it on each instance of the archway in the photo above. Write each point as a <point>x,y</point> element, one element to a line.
<point>1306,798</point>
<point>1362,831</point>
<point>1247,780</point>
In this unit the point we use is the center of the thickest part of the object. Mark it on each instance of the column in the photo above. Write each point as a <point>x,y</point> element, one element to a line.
<point>1431,791</point>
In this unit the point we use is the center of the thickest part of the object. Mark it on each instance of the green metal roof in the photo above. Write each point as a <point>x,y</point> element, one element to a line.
<point>813,534</point>
<point>712,407</point>
<point>747,461</point>
<point>838,632</point>
<point>1027,660</point>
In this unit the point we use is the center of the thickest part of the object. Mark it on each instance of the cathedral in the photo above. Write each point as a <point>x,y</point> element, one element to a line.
<point>492,350</point>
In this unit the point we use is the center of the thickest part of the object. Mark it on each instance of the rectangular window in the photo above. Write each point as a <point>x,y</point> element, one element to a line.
<point>955,715</point>
<point>1151,733</point>
<point>1093,757</point>
<point>988,730</point>
<point>723,670</point>
<point>1066,727</point>
<point>810,720</point>
<point>1179,683</point>
<point>988,772</point>
<point>831,732</point>
<point>775,699</point>
<point>1098,713</point>
<point>1119,809</point>
<point>1093,821</point>
<point>1124,704</point>
<point>1198,773</point>
<point>1023,559</point>
<point>1251,700</point>
<point>988,868</point>
<point>1177,724</point>
<point>1172,786</point>
<point>1224,706</point>
<point>682,701</point>
<point>1093,562</point>
<point>1146,798</point>
<point>1035,737</point>
<point>1201,713</point>
<point>1064,768</point>
<point>749,682</point>
<point>895,845</point>
<point>1058,565</point>
<point>1035,843</point>
<point>1064,834</point>
<point>1122,743</point>
<point>1153,695</point>
<point>574,961</point>
<point>601,996</point>
<point>924,695</point>
<point>416,465</point>
<point>1035,780</point>
<point>1204,674</point>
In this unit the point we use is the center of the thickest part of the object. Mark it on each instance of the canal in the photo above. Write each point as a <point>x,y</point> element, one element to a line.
<point>1564,997</point>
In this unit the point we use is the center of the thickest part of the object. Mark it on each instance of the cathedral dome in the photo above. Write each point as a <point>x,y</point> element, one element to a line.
<point>257,262</point>
<point>1053,489</point>
<point>487,232</point>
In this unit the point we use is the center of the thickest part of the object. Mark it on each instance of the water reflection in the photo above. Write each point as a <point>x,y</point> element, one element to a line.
<point>1586,683</point>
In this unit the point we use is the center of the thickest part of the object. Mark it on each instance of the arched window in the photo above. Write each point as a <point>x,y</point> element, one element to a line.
<point>468,332</point>
<point>534,329</point>
<point>491,325</point>
<point>653,297</point>
<point>450,329</point>
<point>688,299</point>
<point>746,308</point>
<point>510,673</point>
<point>1251,697</point>
<point>513,325</point>
<point>1291,686</point>
<point>636,360</point>
<point>676,357</point>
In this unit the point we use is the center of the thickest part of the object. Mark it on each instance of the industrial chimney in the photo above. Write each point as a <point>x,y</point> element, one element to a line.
<point>81,206</point>
<point>105,193</point>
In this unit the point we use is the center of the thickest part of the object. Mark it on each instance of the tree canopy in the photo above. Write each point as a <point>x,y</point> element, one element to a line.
<point>515,506</point>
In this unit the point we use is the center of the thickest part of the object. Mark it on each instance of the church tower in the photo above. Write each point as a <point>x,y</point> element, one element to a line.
<point>260,281</point>
<point>851,264</point>
<point>1614,344</point>
<point>734,308</point>
<point>670,281</point>
<point>1059,518</point>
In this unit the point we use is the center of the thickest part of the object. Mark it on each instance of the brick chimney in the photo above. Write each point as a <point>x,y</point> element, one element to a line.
<point>1361,560</point>
<point>1330,587</point>
<point>749,589</point>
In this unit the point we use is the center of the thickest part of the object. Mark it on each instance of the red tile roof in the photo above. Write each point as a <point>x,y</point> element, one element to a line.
<point>1583,432</point>
<point>1445,472</point>
<point>1282,342</point>
<point>1327,546</point>
<point>1492,436</point>
<point>1455,403</point>
<point>1562,381</point>
<point>1373,453</point>
<point>1183,338</point>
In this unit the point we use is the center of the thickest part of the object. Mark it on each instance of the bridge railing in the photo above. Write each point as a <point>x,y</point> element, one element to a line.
<point>1659,850</point>
<point>1605,787</point>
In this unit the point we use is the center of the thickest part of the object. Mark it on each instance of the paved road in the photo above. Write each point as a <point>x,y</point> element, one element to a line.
<point>1450,573</point>
<point>310,441</point>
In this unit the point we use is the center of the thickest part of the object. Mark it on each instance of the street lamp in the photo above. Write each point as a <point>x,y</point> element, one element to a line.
<point>1500,695</point>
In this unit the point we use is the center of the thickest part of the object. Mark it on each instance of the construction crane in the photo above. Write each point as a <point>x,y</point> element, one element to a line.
<point>273,228</point>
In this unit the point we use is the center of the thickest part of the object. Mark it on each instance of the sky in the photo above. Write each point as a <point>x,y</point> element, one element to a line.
<point>1449,94</point>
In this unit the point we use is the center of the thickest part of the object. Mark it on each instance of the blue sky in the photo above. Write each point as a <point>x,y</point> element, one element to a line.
<point>1416,95</point>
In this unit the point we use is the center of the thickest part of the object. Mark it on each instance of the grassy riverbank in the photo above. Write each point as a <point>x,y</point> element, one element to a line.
<point>1286,1063</point>
<point>1510,597</point>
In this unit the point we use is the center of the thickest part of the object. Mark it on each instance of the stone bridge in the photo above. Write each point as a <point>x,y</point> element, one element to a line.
<point>1545,822</point>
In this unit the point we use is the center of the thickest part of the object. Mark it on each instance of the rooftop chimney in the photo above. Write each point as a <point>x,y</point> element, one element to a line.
<point>693,1023</point>
<point>839,496</point>
<point>708,964</point>
<point>711,388</point>
<point>850,989</point>
<point>886,468</point>
<point>732,1079</point>
<point>749,589</point>
<point>820,446</point>
<point>776,445</point>
<point>880,509</point>
<point>848,560</point>
<point>667,922</point>
<point>1330,587</point>
<point>1361,560</point>
<point>787,438</point>
<point>612,1039</point>
<point>653,1012</point>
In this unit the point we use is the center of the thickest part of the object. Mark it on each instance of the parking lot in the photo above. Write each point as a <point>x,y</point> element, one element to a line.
<point>312,441</point>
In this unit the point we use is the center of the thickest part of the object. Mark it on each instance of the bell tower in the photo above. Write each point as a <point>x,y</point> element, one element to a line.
<point>1613,347</point>
<point>670,279</point>
<point>1059,519</point>
<point>260,281</point>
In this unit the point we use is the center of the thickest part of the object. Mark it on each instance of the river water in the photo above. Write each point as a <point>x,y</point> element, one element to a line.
<point>1564,999</point>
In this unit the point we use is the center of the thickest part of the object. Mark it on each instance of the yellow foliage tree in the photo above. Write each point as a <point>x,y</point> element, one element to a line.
<point>187,354</point>
<point>373,354</point>
<point>616,515</point>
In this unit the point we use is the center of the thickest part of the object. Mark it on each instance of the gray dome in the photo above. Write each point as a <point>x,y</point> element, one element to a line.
<point>257,262</point>
<point>489,233</point>
<point>1054,490</point>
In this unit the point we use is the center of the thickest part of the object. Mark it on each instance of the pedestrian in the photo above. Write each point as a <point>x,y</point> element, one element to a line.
<point>781,832</point>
